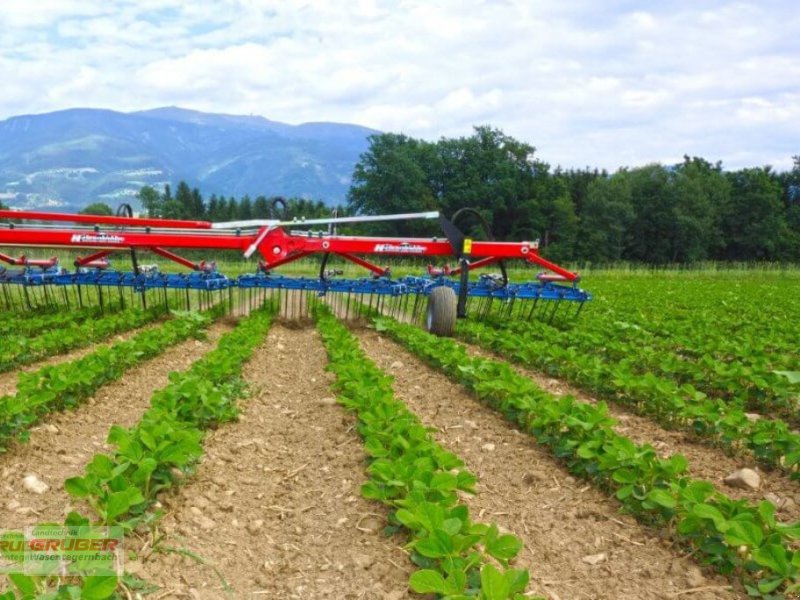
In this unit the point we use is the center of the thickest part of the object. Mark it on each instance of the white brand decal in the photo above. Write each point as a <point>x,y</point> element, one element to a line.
<point>403,248</point>
<point>100,238</point>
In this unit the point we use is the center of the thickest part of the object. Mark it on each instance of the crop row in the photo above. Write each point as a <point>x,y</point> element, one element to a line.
<point>157,452</point>
<point>57,387</point>
<point>673,405</point>
<point>419,481</point>
<point>732,536</point>
<point>702,311</point>
<point>19,350</point>
<point>754,385</point>
<point>37,322</point>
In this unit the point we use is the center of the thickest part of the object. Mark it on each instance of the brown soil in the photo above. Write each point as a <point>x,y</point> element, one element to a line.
<point>8,380</point>
<point>705,462</point>
<point>275,509</point>
<point>60,447</point>
<point>564,524</point>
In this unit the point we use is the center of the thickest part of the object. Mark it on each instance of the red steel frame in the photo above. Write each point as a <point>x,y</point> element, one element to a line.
<point>277,246</point>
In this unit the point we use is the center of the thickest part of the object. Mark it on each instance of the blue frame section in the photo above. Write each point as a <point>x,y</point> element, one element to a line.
<point>485,287</point>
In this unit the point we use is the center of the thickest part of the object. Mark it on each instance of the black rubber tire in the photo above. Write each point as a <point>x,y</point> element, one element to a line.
<point>441,316</point>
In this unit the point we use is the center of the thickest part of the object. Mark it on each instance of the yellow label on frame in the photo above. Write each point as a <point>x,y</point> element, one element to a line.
<point>467,246</point>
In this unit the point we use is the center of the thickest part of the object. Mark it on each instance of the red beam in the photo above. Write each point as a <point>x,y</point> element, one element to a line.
<point>477,264</point>
<point>175,258</point>
<point>11,260</point>
<point>380,271</point>
<point>102,220</point>
<point>119,240</point>
<point>82,262</point>
<point>268,266</point>
<point>568,275</point>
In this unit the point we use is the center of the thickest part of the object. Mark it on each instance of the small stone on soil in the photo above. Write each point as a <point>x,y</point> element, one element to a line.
<point>488,447</point>
<point>780,503</point>
<point>595,559</point>
<point>254,526</point>
<point>364,560</point>
<point>33,484</point>
<point>205,523</point>
<point>396,365</point>
<point>371,524</point>
<point>746,479</point>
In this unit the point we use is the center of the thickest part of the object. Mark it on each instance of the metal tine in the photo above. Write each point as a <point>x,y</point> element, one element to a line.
<point>553,313</point>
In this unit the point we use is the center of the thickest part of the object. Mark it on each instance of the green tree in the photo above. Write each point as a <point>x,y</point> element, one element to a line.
<point>261,208</point>
<point>606,219</point>
<point>652,232</point>
<point>245,208</point>
<point>231,210</point>
<point>753,222</point>
<point>151,201</point>
<point>97,208</point>
<point>498,175</point>
<point>389,179</point>
<point>213,208</point>
<point>198,207</point>
<point>700,192</point>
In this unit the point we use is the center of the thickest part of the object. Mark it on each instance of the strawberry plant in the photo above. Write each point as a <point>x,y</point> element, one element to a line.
<point>419,481</point>
<point>167,439</point>
<point>156,452</point>
<point>733,536</point>
<point>673,405</point>
<point>58,387</point>
<point>20,350</point>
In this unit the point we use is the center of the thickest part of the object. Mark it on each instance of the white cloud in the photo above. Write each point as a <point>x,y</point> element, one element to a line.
<point>587,83</point>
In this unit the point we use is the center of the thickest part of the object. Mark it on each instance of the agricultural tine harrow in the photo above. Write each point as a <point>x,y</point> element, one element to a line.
<point>437,298</point>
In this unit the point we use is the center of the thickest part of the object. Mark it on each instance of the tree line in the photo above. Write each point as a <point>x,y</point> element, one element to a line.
<point>656,214</point>
<point>188,203</point>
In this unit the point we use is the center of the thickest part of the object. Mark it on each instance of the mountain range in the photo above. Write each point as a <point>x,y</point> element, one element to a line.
<point>67,159</point>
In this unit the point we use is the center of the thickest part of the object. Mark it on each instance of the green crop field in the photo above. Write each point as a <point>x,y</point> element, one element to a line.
<point>649,448</point>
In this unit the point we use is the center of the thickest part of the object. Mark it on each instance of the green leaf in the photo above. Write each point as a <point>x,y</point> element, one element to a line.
<point>792,376</point>
<point>706,511</point>
<point>767,586</point>
<point>518,580</point>
<point>773,556</point>
<point>743,533</point>
<point>504,547</point>
<point>76,486</point>
<point>452,526</point>
<point>438,545</point>
<point>494,584</point>
<point>120,503</point>
<point>98,587</point>
<point>662,498</point>
<point>428,581</point>
<point>24,583</point>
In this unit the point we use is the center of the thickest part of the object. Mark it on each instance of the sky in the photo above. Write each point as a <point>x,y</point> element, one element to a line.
<point>588,83</point>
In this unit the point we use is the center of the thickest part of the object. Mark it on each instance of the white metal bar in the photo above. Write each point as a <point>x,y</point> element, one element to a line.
<point>301,222</point>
